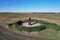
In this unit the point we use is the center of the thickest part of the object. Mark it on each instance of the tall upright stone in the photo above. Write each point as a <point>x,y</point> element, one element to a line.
<point>29,21</point>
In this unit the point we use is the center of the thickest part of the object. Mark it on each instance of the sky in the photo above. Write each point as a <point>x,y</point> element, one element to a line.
<point>29,5</point>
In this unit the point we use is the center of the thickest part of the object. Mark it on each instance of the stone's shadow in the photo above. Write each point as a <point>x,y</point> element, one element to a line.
<point>19,22</point>
<point>10,24</point>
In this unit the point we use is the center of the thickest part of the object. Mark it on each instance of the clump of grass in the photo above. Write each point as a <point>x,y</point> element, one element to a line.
<point>28,29</point>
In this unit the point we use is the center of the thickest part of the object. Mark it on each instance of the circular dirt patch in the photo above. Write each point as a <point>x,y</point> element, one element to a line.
<point>33,24</point>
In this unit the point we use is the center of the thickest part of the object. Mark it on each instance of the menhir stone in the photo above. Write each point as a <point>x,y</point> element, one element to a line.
<point>29,21</point>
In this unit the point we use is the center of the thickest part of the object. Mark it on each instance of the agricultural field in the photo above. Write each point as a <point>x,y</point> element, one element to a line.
<point>52,31</point>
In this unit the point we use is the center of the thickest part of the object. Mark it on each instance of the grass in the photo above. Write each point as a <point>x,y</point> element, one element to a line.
<point>28,29</point>
<point>52,32</point>
<point>50,17</point>
<point>0,35</point>
<point>45,25</point>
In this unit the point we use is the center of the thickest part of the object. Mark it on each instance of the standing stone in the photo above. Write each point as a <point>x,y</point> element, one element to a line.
<point>29,21</point>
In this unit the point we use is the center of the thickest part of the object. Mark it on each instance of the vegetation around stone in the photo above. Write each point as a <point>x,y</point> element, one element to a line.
<point>44,26</point>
